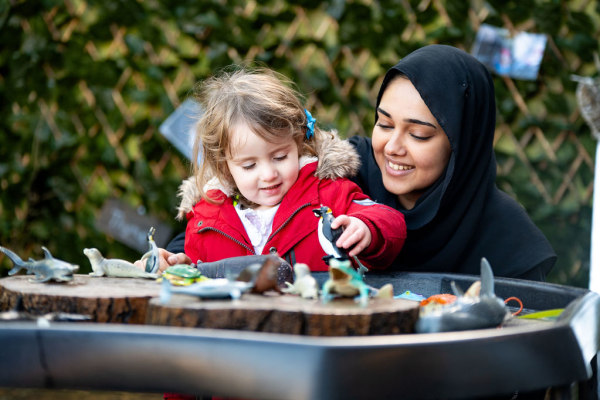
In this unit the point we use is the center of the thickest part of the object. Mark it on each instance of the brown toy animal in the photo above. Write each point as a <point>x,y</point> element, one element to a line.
<point>263,276</point>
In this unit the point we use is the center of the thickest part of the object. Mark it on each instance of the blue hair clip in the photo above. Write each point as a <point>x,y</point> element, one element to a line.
<point>310,124</point>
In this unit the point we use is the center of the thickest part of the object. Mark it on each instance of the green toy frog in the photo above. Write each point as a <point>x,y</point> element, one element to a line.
<point>345,281</point>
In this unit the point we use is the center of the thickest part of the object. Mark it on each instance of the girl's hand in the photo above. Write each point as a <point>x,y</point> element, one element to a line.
<point>166,259</point>
<point>356,234</point>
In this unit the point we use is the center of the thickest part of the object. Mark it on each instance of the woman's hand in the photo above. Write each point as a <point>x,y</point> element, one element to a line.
<point>166,259</point>
<point>356,236</point>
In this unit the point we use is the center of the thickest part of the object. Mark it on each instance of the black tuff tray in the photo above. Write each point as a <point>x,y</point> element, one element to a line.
<point>520,357</point>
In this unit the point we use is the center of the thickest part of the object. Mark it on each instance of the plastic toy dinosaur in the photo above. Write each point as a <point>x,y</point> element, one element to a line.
<point>45,270</point>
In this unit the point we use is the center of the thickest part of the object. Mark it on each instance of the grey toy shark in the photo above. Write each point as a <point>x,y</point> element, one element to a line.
<point>45,270</point>
<point>478,308</point>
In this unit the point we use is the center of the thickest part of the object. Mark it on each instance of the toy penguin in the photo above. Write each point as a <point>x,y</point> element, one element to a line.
<point>328,237</point>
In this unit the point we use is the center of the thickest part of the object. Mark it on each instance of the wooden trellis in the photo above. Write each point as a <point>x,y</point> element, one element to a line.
<point>340,79</point>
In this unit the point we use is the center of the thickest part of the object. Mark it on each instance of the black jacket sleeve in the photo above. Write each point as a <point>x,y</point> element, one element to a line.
<point>176,245</point>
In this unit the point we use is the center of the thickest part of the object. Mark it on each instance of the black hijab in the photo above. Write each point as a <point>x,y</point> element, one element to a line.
<point>463,216</point>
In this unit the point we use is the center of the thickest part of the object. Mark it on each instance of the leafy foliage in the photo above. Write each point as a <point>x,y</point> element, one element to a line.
<point>85,85</point>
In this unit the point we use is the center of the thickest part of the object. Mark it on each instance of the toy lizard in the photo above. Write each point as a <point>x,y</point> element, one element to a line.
<point>45,270</point>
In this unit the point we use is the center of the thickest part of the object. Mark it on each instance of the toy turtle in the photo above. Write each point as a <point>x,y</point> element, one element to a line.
<point>183,275</point>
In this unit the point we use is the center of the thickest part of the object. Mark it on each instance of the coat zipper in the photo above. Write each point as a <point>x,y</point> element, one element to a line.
<point>228,237</point>
<point>288,220</point>
<point>270,236</point>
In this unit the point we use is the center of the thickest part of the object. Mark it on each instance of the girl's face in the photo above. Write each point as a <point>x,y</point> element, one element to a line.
<point>263,171</point>
<point>410,148</point>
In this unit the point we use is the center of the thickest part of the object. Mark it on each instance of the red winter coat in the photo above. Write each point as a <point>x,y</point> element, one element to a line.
<point>215,231</point>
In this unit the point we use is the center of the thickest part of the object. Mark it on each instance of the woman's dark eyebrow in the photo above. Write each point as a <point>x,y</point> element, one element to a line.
<point>419,122</point>
<point>409,120</point>
<point>387,114</point>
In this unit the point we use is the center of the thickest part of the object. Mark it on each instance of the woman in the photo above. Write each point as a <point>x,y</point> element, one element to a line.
<point>431,156</point>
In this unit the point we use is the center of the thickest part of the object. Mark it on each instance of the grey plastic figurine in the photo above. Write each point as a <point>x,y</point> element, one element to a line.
<point>152,263</point>
<point>471,310</point>
<point>45,270</point>
<point>209,289</point>
<point>114,267</point>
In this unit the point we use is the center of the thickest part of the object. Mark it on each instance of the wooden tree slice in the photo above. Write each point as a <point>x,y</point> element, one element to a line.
<point>121,300</point>
<point>135,301</point>
<point>288,314</point>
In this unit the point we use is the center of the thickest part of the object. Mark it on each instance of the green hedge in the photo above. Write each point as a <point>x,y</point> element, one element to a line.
<point>85,85</point>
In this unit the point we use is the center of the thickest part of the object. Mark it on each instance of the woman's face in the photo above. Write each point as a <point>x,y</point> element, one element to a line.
<point>410,148</point>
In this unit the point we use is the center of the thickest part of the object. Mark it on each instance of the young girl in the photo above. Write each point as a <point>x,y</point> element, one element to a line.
<point>265,168</point>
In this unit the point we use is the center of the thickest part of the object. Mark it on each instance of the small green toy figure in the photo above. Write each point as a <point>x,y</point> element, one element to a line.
<point>183,275</point>
<point>344,281</point>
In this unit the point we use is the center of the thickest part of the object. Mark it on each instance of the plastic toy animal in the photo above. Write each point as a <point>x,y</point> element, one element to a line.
<point>304,284</point>
<point>152,264</point>
<point>345,281</point>
<point>45,270</point>
<point>233,266</point>
<point>328,237</point>
<point>262,277</point>
<point>113,267</point>
<point>183,275</point>
<point>408,295</point>
<point>208,289</point>
<point>475,309</point>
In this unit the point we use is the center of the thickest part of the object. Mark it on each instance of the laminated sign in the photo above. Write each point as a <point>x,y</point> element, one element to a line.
<point>179,127</point>
<point>130,226</point>
<point>517,55</point>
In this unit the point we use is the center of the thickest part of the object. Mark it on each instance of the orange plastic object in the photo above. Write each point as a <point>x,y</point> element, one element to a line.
<point>444,298</point>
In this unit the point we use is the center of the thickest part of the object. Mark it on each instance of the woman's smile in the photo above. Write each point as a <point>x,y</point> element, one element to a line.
<point>399,167</point>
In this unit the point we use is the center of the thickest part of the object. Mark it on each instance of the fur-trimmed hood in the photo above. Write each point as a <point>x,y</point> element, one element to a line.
<point>337,159</point>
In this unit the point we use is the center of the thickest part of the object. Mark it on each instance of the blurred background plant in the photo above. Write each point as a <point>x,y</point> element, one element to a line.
<point>85,85</point>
